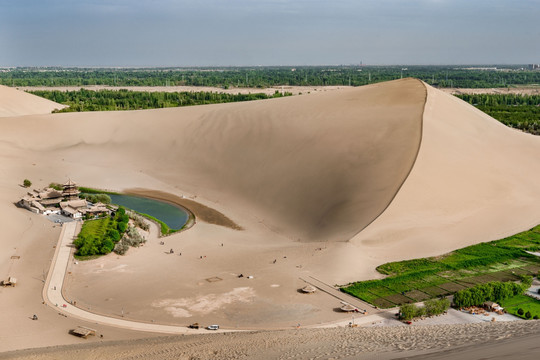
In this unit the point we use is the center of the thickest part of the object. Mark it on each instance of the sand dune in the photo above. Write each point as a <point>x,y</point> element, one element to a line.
<point>17,103</point>
<point>316,168</point>
<point>400,169</point>
<point>474,180</point>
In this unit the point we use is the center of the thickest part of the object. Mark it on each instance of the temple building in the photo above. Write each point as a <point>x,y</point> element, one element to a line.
<point>70,191</point>
<point>65,202</point>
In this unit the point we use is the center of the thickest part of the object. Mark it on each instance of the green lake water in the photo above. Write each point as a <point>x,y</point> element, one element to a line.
<point>174,216</point>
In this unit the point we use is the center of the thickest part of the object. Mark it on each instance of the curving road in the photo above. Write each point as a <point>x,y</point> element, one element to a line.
<point>52,293</point>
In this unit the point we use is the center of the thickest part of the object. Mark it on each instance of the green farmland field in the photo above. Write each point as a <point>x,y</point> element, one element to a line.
<point>420,279</point>
<point>524,302</point>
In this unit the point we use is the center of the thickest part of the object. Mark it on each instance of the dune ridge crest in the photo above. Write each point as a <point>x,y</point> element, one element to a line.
<point>473,181</point>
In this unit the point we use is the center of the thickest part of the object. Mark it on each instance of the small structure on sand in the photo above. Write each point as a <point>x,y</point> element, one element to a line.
<point>308,289</point>
<point>349,308</point>
<point>83,331</point>
<point>10,282</point>
<point>493,306</point>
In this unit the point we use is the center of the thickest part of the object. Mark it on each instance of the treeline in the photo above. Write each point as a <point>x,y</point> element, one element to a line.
<point>262,77</point>
<point>106,100</point>
<point>492,291</point>
<point>432,307</point>
<point>517,111</point>
<point>96,198</point>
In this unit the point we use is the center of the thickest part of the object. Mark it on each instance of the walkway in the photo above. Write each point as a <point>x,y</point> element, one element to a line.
<point>343,297</point>
<point>52,293</point>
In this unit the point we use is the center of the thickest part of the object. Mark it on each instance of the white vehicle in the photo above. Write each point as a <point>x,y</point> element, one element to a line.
<point>212,327</point>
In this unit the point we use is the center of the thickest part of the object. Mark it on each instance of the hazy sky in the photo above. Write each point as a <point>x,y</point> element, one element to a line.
<point>267,32</point>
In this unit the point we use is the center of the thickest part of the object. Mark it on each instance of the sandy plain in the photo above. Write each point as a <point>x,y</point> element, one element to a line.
<point>327,185</point>
<point>295,90</point>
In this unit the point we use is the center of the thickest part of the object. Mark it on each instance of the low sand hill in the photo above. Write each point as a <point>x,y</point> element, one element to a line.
<point>14,102</point>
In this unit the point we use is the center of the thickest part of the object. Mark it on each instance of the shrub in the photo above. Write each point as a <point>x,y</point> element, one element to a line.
<point>89,246</point>
<point>520,311</point>
<point>407,311</point>
<point>526,280</point>
<point>27,183</point>
<point>133,237</point>
<point>122,227</point>
<point>97,198</point>
<point>138,221</point>
<point>436,306</point>
<point>121,248</point>
<point>113,234</point>
<point>528,315</point>
<point>539,290</point>
<point>121,211</point>
<point>106,246</point>
<point>420,311</point>
<point>123,218</point>
<point>535,317</point>
<point>56,186</point>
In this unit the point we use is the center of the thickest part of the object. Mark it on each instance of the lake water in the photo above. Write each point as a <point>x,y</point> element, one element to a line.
<point>173,216</point>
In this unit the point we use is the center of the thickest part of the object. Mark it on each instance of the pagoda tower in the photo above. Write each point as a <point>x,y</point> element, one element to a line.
<point>70,191</point>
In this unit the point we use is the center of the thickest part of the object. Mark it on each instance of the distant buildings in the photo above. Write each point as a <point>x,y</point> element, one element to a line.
<point>534,66</point>
<point>65,202</point>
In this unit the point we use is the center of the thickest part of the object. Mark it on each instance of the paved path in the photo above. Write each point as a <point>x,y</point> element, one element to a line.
<point>52,293</point>
<point>343,297</point>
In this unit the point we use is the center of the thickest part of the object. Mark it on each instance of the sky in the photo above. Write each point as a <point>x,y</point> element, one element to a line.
<point>268,32</point>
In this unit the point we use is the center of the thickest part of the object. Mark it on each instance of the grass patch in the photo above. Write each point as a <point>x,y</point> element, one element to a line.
<point>87,190</point>
<point>527,303</point>
<point>164,228</point>
<point>96,228</point>
<point>86,258</point>
<point>500,260</point>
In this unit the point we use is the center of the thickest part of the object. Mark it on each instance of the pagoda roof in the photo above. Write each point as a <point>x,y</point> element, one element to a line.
<point>70,183</point>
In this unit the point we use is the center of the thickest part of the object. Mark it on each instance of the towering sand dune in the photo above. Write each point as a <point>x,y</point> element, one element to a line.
<point>474,180</point>
<point>16,103</point>
<point>318,167</point>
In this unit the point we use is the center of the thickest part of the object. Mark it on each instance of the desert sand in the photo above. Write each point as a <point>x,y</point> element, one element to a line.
<point>518,90</point>
<point>324,188</point>
<point>16,103</point>
<point>473,341</point>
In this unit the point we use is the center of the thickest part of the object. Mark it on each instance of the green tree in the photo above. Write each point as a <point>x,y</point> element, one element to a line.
<point>122,226</point>
<point>407,311</point>
<point>528,315</point>
<point>27,183</point>
<point>106,246</point>
<point>113,234</point>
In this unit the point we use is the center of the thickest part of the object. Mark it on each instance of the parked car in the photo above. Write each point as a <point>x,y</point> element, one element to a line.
<point>212,327</point>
